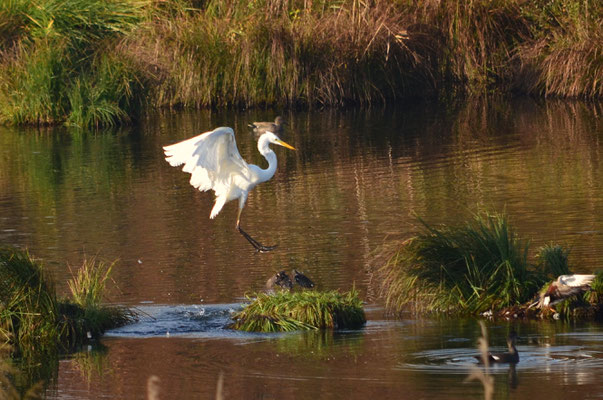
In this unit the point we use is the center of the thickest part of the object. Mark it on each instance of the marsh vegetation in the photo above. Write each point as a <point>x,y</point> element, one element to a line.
<point>91,63</point>
<point>285,311</point>
<point>33,319</point>
<point>480,266</point>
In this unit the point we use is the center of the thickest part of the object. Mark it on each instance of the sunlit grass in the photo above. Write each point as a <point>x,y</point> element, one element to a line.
<point>95,62</point>
<point>481,265</point>
<point>33,318</point>
<point>305,310</point>
<point>49,63</point>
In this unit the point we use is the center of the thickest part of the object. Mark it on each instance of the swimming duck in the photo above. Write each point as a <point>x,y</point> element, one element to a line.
<point>276,127</point>
<point>279,279</point>
<point>510,357</point>
<point>302,280</point>
<point>565,286</point>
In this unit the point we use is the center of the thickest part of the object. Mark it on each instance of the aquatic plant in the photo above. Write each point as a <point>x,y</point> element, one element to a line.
<point>304,310</point>
<point>468,269</point>
<point>32,318</point>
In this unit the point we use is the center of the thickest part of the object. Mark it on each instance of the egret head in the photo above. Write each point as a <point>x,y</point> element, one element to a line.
<point>270,137</point>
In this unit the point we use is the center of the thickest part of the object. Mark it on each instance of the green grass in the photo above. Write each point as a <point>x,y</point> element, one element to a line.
<point>553,260</point>
<point>53,62</point>
<point>97,63</point>
<point>464,269</point>
<point>33,318</point>
<point>305,310</point>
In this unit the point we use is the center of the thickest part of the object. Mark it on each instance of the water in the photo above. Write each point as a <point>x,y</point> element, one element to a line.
<point>358,179</point>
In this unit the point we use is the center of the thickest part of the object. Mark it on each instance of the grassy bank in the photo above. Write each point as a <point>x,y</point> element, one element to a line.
<point>473,268</point>
<point>306,310</point>
<point>99,63</point>
<point>33,318</point>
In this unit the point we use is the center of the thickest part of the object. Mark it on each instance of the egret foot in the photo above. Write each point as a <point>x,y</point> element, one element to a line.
<point>260,248</point>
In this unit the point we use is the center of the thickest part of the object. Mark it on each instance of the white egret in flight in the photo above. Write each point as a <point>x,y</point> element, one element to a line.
<point>214,162</point>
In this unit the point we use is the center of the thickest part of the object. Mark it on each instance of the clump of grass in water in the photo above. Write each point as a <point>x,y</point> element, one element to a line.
<point>85,314</point>
<point>466,269</point>
<point>32,318</point>
<point>305,310</point>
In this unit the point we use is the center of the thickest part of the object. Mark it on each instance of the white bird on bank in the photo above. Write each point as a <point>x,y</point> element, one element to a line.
<point>215,163</point>
<point>565,286</point>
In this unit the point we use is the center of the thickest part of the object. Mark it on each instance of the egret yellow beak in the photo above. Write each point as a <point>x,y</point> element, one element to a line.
<point>287,145</point>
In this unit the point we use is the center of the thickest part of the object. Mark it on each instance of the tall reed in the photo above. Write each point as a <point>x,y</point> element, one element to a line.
<point>94,62</point>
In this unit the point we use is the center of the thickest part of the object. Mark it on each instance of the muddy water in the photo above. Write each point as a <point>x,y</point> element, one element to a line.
<point>358,178</point>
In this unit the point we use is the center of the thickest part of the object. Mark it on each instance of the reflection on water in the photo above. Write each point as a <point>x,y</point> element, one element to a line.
<point>387,359</point>
<point>357,178</point>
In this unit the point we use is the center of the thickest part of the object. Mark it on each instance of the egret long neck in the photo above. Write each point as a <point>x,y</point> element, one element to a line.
<point>270,156</point>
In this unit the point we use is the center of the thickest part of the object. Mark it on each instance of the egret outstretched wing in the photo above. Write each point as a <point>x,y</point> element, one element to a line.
<point>211,158</point>
<point>214,162</point>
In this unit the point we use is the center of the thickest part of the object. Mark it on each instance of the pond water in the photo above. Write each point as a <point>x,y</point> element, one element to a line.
<point>359,179</point>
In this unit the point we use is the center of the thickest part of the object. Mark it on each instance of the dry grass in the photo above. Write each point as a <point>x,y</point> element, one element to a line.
<point>98,63</point>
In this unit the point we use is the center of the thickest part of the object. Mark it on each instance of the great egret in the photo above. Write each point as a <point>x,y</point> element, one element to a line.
<point>565,286</point>
<point>510,357</point>
<point>214,162</point>
<point>259,128</point>
<point>279,279</point>
<point>302,280</point>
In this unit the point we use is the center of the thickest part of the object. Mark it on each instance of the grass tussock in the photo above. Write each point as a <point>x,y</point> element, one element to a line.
<point>553,260</point>
<point>96,62</point>
<point>33,318</point>
<point>465,269</point>
<point>305,310</point>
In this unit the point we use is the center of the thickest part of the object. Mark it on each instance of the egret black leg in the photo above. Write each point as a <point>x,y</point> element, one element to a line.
<point>257,245</point>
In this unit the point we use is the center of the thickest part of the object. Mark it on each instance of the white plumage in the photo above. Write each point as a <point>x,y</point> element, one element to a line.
<point>215,163</point>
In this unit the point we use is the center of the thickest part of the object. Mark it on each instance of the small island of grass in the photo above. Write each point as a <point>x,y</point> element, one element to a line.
<point>32,316</point>
<point>481,267</point>
<point>305,310</point>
